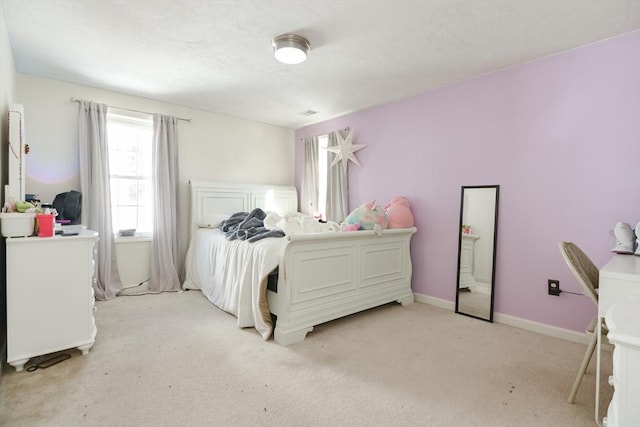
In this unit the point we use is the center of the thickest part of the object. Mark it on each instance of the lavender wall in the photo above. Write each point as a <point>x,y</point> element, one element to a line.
<point>560,135</point>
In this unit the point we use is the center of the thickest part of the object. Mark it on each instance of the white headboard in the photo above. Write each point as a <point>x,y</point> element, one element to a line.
<point>211,198</point>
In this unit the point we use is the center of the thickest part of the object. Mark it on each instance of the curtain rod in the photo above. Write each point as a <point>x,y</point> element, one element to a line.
<point>348,128</point>
<point>72,99</point>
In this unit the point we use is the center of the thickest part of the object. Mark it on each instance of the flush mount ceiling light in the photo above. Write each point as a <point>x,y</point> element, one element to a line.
<point>290,48</point>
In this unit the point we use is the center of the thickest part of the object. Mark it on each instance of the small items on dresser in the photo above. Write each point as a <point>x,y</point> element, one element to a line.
<point>17,224</point>
<point>627,239</point>
<point>45,223</point>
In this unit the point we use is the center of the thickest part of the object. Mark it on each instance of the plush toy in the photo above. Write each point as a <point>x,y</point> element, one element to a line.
<point>399,213</point>
<point>350,227</point>
<point>368,216</point>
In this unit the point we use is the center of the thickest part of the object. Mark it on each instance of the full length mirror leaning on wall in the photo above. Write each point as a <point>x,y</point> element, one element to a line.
<point>477,251</point>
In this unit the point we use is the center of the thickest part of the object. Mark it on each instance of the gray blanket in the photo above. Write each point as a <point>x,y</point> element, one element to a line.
<point>248,226</point>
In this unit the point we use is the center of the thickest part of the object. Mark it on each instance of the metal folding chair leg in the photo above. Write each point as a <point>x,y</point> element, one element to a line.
<point>583,366</point>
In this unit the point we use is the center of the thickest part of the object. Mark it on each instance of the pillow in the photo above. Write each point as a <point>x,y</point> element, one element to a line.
<point>212,221</point>
<point>293,223</point>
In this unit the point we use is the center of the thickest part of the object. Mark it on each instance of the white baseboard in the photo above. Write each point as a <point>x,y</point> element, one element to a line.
<point>517,322</point>
<point>442,303</point>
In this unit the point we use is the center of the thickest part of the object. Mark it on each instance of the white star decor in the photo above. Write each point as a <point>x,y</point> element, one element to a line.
<point>344,150</point>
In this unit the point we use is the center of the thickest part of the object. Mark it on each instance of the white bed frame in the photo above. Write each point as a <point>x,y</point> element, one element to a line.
<point>322,276</point>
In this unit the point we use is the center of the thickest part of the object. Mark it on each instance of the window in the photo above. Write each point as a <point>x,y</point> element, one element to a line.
<point>130,142</point>
<point>325,184</point>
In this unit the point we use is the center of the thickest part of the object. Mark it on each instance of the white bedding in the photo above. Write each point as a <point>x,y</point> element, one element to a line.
<point>233,274</point>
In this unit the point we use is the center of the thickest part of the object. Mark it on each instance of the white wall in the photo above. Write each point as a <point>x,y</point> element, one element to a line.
<point>212,146</point>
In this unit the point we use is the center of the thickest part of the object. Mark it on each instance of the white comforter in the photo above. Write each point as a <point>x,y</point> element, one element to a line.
<point>233,274</point>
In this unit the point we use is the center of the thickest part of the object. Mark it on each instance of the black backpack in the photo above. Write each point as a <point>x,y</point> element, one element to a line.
<point>69,206</point>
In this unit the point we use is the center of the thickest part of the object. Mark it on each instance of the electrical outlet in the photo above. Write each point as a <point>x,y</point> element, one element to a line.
<point>554,287</point>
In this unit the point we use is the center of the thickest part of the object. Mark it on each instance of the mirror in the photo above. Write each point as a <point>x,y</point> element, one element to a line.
<point>17,149</point>
<point>477,251</point>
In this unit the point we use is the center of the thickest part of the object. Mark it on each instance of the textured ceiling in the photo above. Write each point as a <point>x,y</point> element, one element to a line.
<point>216,55</point>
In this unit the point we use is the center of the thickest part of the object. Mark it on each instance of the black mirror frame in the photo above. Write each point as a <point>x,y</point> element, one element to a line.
<point>495,244</point>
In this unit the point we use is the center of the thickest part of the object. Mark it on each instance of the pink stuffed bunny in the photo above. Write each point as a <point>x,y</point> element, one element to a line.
<point>399,213</point>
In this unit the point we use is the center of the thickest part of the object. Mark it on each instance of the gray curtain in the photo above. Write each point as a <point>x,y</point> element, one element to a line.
<point>309,190</point>
<point>165,260</point>
<point>337,186</point>
<point>96,194</point>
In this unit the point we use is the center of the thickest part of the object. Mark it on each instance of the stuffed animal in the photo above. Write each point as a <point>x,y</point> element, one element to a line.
<point>399,213</point>
<point>350,227</point>
<point>368,216</point>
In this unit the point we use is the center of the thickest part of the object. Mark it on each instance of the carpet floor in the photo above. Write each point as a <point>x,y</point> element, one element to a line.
<point>174,359</point>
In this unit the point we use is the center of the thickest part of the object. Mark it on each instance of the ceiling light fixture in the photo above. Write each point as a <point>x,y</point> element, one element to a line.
<point>290,48</point>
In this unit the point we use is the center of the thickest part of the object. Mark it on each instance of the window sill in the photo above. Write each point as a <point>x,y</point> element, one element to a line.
<point>132,239</point>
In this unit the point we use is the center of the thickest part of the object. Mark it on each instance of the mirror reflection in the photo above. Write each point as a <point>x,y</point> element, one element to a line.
<point>476,251</point>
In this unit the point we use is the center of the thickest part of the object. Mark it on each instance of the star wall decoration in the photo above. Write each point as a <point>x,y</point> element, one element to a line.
<point>344,150</point>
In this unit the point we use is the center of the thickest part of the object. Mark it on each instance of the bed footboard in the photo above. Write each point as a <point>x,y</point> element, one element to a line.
<point>326,276</point>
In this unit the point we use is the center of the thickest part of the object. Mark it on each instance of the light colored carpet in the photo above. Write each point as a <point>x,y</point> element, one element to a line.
<point>174,359</point>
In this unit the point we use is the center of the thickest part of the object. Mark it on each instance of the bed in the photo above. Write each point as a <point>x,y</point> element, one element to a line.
<point>285,286</point>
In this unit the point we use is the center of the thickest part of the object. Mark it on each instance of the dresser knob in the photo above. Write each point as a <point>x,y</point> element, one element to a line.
<point>611,380</point>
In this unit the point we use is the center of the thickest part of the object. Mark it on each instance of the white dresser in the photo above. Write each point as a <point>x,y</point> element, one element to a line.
<point>50,297</point>
<point>623,321</point>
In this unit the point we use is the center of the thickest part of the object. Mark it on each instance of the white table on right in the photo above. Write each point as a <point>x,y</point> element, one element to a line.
<point>623,321</point>
<point>619,283</point>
